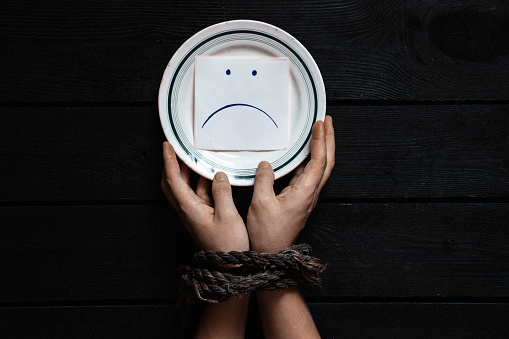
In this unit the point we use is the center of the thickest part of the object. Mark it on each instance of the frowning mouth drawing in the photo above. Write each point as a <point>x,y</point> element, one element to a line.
<point>233,105</point>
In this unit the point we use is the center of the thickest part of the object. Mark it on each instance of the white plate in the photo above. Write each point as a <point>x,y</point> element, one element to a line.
<point>235,39</point>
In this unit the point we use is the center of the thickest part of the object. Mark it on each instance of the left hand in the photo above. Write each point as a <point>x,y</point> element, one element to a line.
<point>212,219</point>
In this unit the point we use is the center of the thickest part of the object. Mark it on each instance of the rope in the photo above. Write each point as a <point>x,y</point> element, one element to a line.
<point>287,268</point>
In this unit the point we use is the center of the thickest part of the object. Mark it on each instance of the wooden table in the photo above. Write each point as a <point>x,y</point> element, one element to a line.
<point>413,224</point>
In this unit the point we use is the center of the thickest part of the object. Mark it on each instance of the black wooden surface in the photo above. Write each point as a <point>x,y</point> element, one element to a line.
<point>413,224</point>
<point>335,320</point>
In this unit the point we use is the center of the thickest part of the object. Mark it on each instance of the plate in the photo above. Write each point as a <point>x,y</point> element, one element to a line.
<point>241,38</point>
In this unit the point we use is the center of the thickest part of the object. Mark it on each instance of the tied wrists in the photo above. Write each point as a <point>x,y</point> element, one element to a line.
<point>253,271</point>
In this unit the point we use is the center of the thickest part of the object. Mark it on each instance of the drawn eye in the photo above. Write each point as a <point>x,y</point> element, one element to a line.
<point>254,72</point>
<point>228,72</point>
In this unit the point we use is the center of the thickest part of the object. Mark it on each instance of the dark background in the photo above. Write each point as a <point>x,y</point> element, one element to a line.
<point>413,224</point>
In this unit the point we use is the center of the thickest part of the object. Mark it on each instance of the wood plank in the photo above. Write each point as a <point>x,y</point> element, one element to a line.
<point>114,153</point>
<point>405,250</point>
<point>80,154</point>
<point>333,320</point>
<point>411,320</point>
<point>59,253</point>
<point>91,322</point>
<point>421,151</point>
<point>367,50</point>
<point>91,252</point>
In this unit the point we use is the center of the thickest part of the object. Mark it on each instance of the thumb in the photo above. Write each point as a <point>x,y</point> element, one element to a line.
<point>222,194</point>
<point>264,181</point>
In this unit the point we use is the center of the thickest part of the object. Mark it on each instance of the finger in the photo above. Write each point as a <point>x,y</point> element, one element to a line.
<point>331,149</point>
<point>222,195</point>
<point>180,190</point>
<point>177,167</point>
<point>171,165</point>
<point>185,173</point>
<point>203,191</point>
<point>315,168</point>
<point>167,191</point>
<point>297,173</point>
<point>264,181</point>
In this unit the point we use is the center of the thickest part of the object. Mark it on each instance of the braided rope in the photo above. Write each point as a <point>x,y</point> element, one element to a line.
<point>257,271</point>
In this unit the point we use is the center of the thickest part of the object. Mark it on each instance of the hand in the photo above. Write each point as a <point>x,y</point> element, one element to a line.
<point>274,222</point>
<point>213,222</point>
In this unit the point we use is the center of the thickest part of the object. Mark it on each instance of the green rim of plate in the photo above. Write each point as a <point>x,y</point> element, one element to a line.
<point>188,59</point>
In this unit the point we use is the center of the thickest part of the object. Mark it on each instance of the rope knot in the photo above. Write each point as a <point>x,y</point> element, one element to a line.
<point>287,268</point>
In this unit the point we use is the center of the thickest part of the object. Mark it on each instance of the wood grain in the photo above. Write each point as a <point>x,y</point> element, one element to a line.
<point>366,50</point>
<point>418,91</point>
<point>410,320</point>
<point>333,320</point>
<point>80,154</point>
<point>94,253</point>
<point>113,153</point>
<point>91,322</point>
<point>441,250</point>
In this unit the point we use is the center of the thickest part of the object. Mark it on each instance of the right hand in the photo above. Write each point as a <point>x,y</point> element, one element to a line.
<point>274,222</point>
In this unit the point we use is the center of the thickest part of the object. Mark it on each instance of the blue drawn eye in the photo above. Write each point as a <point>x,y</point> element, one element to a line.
<point>228,72</point>
<point>254,72</point>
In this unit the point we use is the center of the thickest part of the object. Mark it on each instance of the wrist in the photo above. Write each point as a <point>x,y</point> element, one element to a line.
<point>228,246</point>
<point>270,247</point>
<point>287,268</point>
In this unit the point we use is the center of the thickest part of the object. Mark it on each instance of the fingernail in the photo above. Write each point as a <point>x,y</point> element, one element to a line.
<point>264,164</point>
<point>220,176</point>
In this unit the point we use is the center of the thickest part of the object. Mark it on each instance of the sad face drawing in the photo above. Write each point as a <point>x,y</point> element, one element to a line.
<point>241,104</point>
<point>228,72</point>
